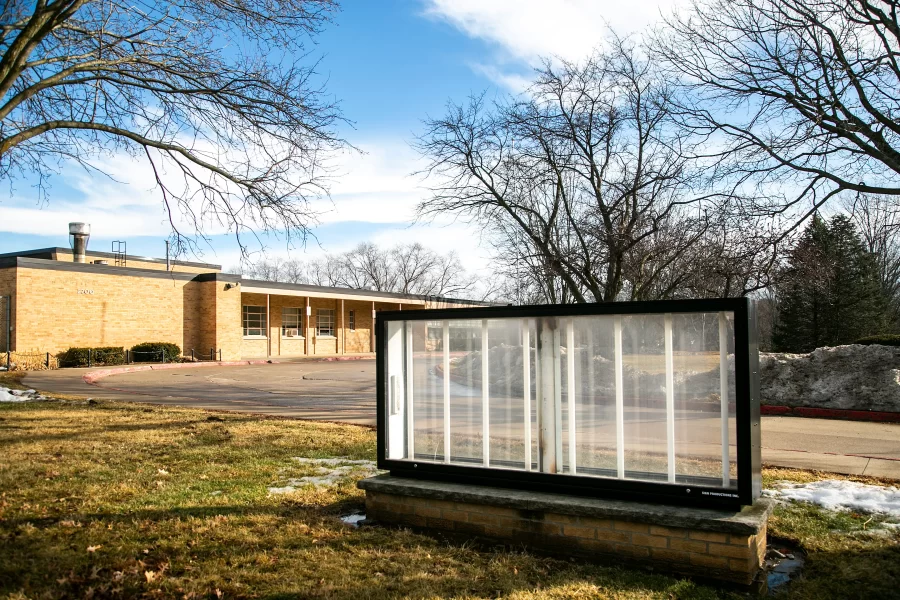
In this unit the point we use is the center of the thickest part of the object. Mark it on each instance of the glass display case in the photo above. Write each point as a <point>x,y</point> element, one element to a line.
<point>656,401</point>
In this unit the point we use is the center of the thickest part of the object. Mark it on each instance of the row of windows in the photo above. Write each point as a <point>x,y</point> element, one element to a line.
<point>254,319</point>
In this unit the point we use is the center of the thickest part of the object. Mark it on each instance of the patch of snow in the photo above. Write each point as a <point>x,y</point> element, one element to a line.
<point>835,494</point>
<point>327,471</point>
<point>353,519</point>
<point>8,395</point>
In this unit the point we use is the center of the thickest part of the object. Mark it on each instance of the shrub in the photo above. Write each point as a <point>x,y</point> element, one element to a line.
<point>883,339</point>
<point>153,352</point>
<point>83,357</point>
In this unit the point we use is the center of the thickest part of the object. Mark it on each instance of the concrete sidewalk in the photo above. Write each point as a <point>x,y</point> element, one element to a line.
<point>344,391</point>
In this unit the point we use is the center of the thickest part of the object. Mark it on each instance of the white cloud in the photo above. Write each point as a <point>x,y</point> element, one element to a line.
<point>376,185</point>
<point>372,186</point>
<point>523,31</point>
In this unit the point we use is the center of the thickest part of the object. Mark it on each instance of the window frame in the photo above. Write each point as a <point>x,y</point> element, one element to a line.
<point>263,322</point>
<point>351,320</point>
<point>300,333</point>
<point>319,315</point>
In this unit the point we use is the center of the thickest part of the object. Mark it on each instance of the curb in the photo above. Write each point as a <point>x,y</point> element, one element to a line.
<point>831,413</point>
<point>328,359</point>
<point>94,376</point>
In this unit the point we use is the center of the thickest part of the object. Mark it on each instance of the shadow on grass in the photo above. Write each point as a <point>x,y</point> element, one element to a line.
<point>324,560</point>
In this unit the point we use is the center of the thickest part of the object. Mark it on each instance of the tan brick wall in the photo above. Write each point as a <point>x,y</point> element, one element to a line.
<point>136,263</point>
<point>111,310</point>
<point>229,329</point>
<point>725,556</point>
<point>358,340</point>
<point>7,288</point>
<point>310,343</point>
<point>123,310</point>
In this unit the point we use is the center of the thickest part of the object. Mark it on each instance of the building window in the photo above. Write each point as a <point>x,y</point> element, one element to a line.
<point>352,320</point>
<point>255,321</point>
<point>291,322</point>
<point>325,322</point>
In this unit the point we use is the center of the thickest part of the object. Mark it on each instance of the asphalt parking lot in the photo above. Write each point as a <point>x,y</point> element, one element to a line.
<point>344,391</point>
<point>332,391</point>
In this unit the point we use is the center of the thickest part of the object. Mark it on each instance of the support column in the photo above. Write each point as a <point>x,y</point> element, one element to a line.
<point>526,391</point>
<point>620,401</point>
<point>410,418</point>
<point>547,392</point>
<point>306,329</point>
<point>670,397</point>
<point>446,349</point>
<point>485,398</point>
<point>268,328</point>
<point>343,330</point>
<point>338,328</point>
<point>723,397</point>
<point>372,330</point>
<point>570,389</point>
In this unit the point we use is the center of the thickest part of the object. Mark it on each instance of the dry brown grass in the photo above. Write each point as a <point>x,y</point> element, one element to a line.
<point>123,501</point>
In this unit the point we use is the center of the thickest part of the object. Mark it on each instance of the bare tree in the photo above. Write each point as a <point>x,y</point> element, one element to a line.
<point>214,95</point>
<point>796,97</point>
<point>588,182</point>
<point>405,268</point>
<point>878,220</point>
<point>368,267</point>
<point>294,271</point>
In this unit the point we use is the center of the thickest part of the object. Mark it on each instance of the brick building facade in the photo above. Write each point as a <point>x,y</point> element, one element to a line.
<point>58,303</point>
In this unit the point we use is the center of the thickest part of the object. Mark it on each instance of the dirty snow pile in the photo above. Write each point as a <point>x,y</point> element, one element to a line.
<point>836,495</point>
<point>327,471</point>
<point>8,395</point>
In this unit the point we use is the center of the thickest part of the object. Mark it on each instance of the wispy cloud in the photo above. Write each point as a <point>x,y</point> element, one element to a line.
<point>524,31</point>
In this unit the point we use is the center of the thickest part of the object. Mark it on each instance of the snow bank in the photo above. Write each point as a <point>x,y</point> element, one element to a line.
<point>851,377</point>
<point>327,472</point>
<point>835,494</point>
<point>8,395</point>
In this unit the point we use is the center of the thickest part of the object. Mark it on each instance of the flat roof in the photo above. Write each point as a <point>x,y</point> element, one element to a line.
<point>249,286</point>
<point>47,253</point>
<point>252,286</point>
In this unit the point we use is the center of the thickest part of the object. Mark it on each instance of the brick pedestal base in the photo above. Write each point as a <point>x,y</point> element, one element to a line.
<point>706,543</point>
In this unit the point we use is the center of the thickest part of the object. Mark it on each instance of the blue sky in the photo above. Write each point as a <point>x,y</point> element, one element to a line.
<point>391,64</point>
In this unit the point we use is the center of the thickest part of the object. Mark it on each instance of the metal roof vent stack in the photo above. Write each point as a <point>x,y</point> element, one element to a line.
<point>79,234</point>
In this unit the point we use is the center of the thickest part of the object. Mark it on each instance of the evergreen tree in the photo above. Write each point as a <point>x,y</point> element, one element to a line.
<point>829,294</point>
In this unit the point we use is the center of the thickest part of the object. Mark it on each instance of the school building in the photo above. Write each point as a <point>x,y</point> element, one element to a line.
<point>62,298</point>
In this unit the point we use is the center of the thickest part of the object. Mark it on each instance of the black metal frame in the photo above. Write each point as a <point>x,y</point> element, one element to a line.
<point>746,409</point>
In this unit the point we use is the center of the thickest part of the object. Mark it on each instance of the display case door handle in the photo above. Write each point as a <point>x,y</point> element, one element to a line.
<point>395,404</point>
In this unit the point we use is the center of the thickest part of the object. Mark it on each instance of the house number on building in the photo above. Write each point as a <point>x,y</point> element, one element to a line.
<point>85,291</point>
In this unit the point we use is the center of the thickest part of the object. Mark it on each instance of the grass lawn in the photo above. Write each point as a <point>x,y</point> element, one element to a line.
<point>105,500</point>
